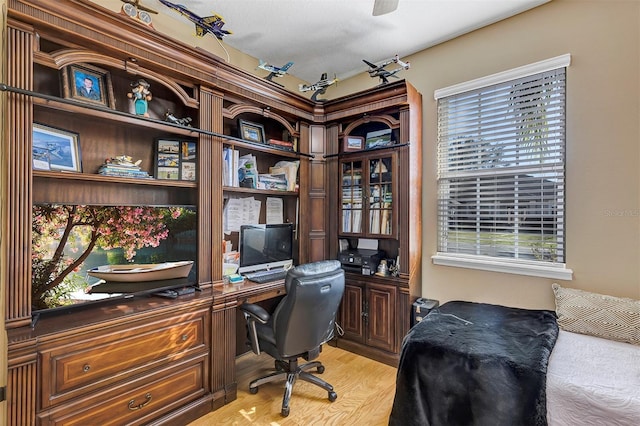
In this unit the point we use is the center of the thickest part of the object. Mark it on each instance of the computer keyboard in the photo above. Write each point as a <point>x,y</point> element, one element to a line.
<point>266,276</point>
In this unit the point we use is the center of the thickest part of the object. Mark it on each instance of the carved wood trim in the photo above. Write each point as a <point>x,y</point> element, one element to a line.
<point>236,110</point>
<point>67,57</point>
<point>17,175</point>
<point>387,120</point>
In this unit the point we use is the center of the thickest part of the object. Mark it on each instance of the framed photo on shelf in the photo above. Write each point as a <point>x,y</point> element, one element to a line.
<point>379,138</point>
<point>88,83</point>
<point>55,149</point>
<point>353,143</point>
<point>175,159</point>
<point>252,132</point>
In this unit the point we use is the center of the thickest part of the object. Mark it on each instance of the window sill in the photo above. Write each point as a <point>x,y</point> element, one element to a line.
<point>557,272</point>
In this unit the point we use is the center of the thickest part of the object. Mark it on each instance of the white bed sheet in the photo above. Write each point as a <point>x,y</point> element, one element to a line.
<point>593,381</point>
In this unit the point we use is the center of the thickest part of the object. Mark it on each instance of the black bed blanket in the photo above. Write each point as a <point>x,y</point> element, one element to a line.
<point>475,364</point>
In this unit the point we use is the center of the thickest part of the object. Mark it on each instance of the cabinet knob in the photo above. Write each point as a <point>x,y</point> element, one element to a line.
<point>185,337</point>
<point>86,368</point>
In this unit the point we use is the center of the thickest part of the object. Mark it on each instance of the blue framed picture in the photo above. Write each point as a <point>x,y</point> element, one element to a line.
<point>88,83</point>
<point>60,148</point>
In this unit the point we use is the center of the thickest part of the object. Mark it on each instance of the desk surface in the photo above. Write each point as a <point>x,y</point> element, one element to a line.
<point>251,292</point>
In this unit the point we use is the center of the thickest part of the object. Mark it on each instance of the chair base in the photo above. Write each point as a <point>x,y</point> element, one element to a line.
<point>291,371</point>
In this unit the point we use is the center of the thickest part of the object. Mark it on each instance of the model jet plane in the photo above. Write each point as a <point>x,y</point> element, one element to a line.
<point>319,87</point>
<point>273,70</point>
<point>210,24</point>
<point>384,74</point>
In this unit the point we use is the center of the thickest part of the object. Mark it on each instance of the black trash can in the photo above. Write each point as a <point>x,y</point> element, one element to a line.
<point>420,308</point>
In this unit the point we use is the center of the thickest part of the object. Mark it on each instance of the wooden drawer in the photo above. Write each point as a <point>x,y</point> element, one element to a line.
<point>138,401</point>
<point>87,365</point>
<point>267,295</point>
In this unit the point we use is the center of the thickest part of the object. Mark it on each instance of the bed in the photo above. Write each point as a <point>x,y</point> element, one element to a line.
<point>593,381</point>
<point>479,364</point>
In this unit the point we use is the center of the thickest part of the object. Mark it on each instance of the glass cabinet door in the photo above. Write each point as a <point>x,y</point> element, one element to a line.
<point>380,200</point>
<point>352,197</point>
<point>367,203</point>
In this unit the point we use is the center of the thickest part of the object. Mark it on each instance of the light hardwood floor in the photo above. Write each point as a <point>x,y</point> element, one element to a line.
<point>365,391</point>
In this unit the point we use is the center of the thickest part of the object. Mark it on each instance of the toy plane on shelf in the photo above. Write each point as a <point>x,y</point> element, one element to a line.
<point>211,24</point>
<point>274,71</point>
<point>384,74</point>
<point>319,87</point>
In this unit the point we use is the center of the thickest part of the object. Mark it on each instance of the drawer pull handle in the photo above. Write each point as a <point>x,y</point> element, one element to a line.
<point>185,337</point>
<point>133,406</point>
<point>86,368</point>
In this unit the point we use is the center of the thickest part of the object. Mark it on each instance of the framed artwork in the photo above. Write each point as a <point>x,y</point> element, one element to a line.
<point>88,83</point>
<point>353,143</point>
<point>252,132</point>
<point>379,138</point>
<point>175,159</point>
<point>55,149</point>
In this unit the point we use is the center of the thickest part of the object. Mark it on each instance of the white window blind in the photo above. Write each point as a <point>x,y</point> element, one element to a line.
<point>501,160</point>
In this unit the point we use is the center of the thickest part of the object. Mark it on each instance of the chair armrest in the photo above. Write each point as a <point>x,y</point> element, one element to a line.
<point>256,312</point>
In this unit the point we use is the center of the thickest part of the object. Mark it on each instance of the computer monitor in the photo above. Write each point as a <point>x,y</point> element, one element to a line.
<point>265,247</point>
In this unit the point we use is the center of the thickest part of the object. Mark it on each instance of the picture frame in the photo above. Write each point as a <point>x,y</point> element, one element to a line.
<point>88,83</point>
<point>252,132</point>
<point>176,159</point>
<point>55,149</point>
<point>378,139</point>
<point>352,143</point>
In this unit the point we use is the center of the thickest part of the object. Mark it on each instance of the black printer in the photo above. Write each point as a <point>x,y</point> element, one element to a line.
<point>364,261</point>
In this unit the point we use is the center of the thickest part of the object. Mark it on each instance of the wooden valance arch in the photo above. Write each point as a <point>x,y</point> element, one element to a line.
<point>387,120</point>
<point>66,57</point>
<point>235,110</point>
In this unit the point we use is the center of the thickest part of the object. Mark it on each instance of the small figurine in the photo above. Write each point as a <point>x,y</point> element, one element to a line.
<point>141,95</point>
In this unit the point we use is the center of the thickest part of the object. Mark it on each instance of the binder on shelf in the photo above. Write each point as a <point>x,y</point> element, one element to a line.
<point>230,162</point>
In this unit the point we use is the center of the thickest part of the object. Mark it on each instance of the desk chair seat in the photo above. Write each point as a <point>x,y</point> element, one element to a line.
<point>302,322</point>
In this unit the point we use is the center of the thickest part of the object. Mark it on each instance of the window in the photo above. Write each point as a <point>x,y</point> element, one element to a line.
<point>501,161</point>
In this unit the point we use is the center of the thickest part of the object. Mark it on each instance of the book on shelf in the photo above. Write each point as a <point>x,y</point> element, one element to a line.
<point>271,181</point>
<point>281,144</point>
<point>122,169</point>
<point>230,162</point>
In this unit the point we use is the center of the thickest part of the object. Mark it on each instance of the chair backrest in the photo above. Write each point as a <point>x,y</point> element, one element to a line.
<point>305,318</point>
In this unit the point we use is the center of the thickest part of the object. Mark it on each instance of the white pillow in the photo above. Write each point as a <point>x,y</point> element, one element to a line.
<point>599,315</point>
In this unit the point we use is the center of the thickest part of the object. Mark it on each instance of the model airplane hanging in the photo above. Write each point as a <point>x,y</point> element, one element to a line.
<point>384,74</point>
<point>319,87</point>
<point>273,70</point>
<point>211,24</point>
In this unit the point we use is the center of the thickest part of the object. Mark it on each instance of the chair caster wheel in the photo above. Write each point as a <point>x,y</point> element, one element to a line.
<point>253,391</point>
<point>285,412</point>
<point>320,369</point>
<point>333,396</point>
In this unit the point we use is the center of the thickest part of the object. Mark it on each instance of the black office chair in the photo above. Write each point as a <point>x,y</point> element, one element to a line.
<point>303,321</point>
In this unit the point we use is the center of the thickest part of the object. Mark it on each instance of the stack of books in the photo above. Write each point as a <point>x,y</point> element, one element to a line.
<point>288,146</point>
<point>271,181</point>
<point>123,166</point>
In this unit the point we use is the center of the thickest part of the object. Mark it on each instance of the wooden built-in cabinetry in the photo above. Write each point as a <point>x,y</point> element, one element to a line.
<point>378,197</point>
<point>144,359</point>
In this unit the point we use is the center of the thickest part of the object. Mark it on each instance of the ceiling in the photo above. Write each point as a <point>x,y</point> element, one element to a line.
<point>334,36</point>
